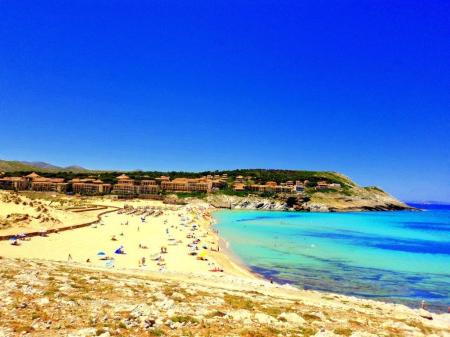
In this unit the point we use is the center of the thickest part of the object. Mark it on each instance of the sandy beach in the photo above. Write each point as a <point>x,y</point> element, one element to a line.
<point>142,228</point>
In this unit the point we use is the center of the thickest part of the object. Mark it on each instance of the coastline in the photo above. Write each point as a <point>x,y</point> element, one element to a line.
<point>84,243</point>
<point>235,262</point>
<point>225,257</point>
<point>233,302</point>
<point>389,294</point>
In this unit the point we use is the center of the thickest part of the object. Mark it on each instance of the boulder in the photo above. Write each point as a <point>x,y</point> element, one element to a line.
<point>292,318</point>
<point>264,319</point>
<point>325,333</point>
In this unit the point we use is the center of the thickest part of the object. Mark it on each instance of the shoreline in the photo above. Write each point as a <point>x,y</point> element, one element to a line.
<point>413,303</point>
<point>343,211</point>
<point>224,257</point>
<point>236,261</point>
<point>204,216</point>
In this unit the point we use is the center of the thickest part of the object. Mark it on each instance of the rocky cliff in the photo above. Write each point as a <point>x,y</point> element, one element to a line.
<point>354,199</point>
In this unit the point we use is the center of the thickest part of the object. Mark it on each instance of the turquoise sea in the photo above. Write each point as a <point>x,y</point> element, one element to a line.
<point>401,257</point>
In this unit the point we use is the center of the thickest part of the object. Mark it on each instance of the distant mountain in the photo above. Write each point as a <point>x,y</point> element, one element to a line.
<point>75,168</point>
<point>428,202</point>
<point>42,165</point>
<point>435,205</point>
<point>38,166</point>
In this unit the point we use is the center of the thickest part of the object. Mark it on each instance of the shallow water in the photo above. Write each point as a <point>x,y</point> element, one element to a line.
<point>401,257</point>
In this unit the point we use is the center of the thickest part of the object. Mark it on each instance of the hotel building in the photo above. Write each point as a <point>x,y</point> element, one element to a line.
<point>323,185</point>
<point>13,183</point>
<point>128,187</point>
<point>125,186</point>
<point>42,184</point>
<point>148,187</point>
<point>49,185</point>
<point>239,186</point>
<point>90,187</point>
<point>299,186</point>
<point>187,185</point>
<point>270,186</point>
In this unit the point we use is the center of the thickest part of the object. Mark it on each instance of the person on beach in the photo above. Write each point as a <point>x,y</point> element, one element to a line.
<point>120,251</point>
<point>69,258</point>
<point>423,305</point>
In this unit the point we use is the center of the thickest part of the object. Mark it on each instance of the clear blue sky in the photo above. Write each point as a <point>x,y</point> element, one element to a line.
<point>360,87</point>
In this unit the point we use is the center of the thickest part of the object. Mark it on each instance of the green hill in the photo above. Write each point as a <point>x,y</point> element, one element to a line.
<point>24,166</point>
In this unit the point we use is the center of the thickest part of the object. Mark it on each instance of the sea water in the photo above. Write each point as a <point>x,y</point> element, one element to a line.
<point>401,257</point>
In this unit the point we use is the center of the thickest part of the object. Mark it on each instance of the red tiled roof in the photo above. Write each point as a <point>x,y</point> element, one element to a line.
<point>33,175</point>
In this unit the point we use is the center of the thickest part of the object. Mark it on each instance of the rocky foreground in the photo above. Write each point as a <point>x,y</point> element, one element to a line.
<point>39,298</point>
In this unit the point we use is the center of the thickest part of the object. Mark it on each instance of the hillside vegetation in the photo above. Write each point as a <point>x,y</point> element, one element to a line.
<point>15,166</point>
<point>18,168</point>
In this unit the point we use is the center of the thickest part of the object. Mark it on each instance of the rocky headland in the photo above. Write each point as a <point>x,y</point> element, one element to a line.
<point>352,200</point>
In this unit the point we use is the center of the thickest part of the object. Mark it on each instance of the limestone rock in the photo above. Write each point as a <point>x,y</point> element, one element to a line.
<point>264,319</point>
<point>292,317</point>
<point>325,333</point>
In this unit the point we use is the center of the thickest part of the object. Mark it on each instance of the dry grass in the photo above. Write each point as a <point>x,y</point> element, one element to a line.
<point>106,301</point>
<point>238,302</point>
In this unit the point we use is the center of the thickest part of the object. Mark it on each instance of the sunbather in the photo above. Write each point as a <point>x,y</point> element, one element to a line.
<point>106,258</point>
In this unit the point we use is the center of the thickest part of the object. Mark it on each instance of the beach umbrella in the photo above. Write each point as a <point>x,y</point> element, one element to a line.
<point>12,238</point>
<point>203,253</point>
<point>101,254</point>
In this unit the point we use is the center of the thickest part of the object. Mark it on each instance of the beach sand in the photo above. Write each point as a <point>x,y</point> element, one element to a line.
<point>169,229</point>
